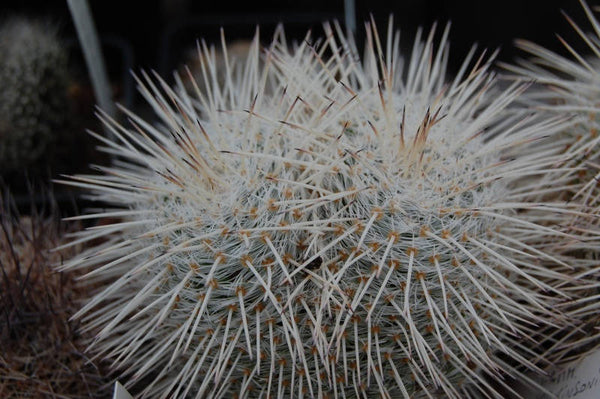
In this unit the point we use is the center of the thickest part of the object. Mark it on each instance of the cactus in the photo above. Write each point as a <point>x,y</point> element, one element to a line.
<point>571,85</point>
<point>361,228</point>
<point>33,99</point>
<point>42,351</point>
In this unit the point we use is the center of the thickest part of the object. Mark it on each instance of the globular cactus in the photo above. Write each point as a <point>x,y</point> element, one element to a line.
<point>33,99</point>
<point>570,85</point>
<point>355,229</point>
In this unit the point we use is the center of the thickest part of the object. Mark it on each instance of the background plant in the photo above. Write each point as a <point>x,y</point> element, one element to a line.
<point>33,101</point>
<point>41,351</point>
<point>570,85</point>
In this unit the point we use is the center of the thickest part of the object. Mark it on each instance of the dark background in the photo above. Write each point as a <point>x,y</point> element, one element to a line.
<point>153,34</point>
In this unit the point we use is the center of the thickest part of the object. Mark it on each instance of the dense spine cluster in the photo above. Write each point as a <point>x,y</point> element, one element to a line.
<point>570,85</point>
<point>320,226</point>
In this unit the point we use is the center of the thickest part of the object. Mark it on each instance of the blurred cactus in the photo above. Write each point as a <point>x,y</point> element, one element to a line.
<point>33,99</point>
<point>570,85</point>
<point>41,351</point>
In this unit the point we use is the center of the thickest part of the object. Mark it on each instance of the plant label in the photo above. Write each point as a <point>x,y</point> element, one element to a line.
<point>577,380</point>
